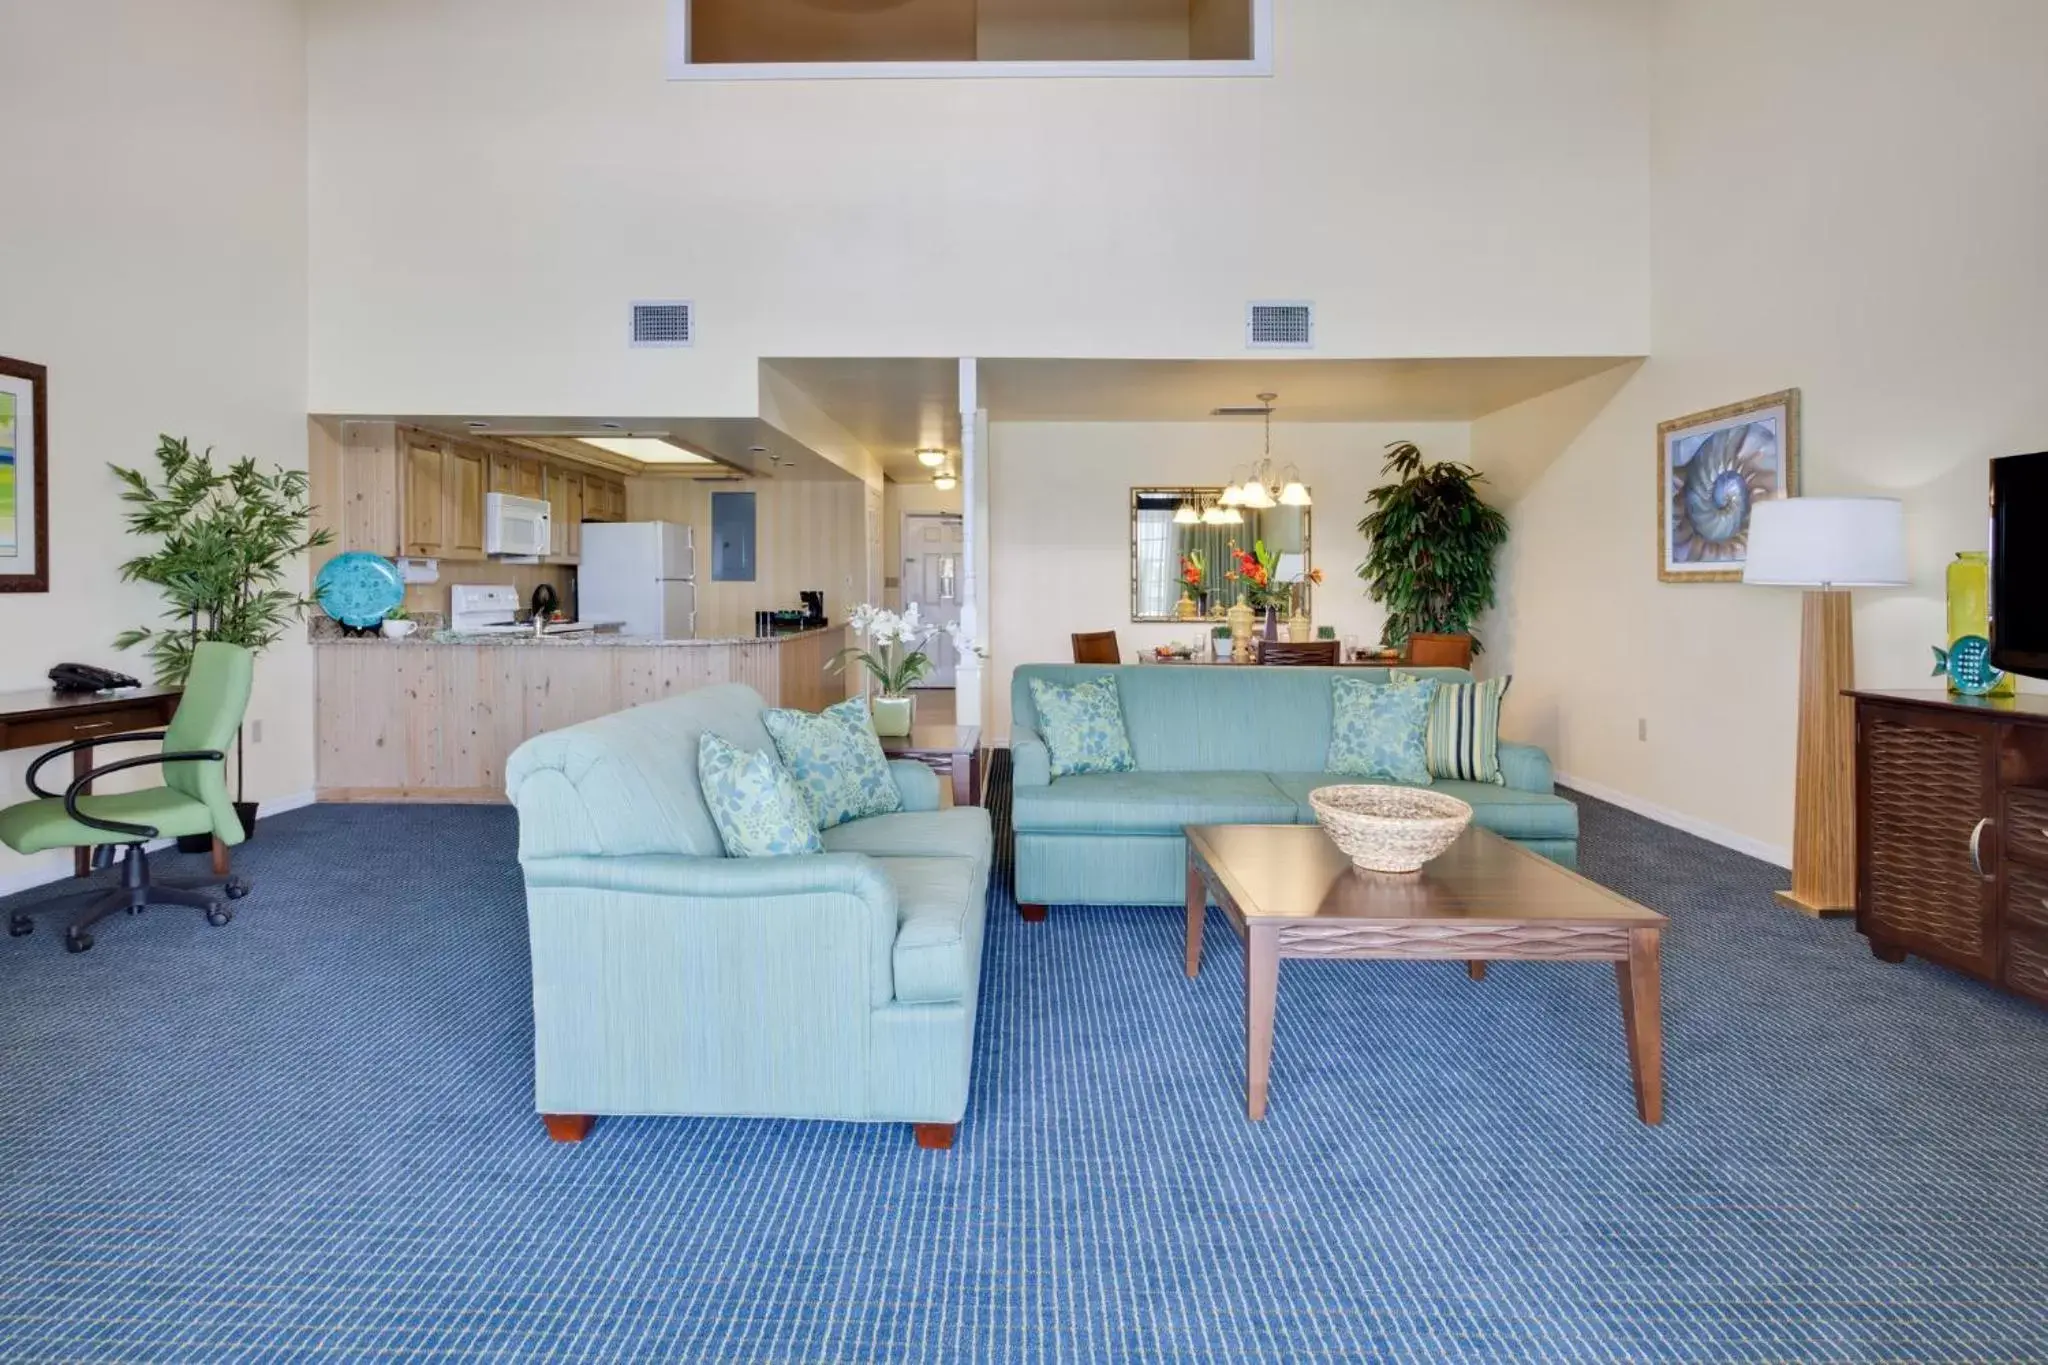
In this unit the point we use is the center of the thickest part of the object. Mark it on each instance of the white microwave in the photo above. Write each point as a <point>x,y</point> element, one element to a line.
<point>517,526</point>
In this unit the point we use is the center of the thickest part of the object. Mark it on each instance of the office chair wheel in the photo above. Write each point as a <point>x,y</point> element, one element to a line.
<point>236,888</point>
<point>77,941</point>
<point>20,926</point>
<point>219,915</point>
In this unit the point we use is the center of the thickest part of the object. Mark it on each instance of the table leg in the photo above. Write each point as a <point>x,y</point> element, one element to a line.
<point>81,764</point>
<point>1476,969</point>
<point>1642,1020</point>
<point>964,785</point>
<point>1261,992</point>
<point>1198,909</point>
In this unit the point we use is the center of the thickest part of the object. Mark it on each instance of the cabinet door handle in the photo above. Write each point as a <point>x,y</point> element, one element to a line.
<point>82,727</point>
<point>1976,846</point>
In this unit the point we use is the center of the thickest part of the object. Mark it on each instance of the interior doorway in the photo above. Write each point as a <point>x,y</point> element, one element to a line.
<point>933,543</point>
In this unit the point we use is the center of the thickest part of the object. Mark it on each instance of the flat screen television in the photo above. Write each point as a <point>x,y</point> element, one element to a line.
<point>2019,564</point>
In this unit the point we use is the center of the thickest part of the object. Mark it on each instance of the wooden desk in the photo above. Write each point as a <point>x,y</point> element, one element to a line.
<point>954,749</point>
<point>44,719</point>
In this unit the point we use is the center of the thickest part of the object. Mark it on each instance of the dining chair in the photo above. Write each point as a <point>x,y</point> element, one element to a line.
<point>1097,647</point>
<point>1299,653</point>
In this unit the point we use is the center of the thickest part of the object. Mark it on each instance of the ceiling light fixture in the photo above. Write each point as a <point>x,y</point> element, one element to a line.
<point>646,449</point>
<point>1265,486</point>
<point>931,459</point>
<point>946,481</point>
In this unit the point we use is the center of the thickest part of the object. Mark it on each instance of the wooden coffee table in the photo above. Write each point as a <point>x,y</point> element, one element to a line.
<point>1290,892</point>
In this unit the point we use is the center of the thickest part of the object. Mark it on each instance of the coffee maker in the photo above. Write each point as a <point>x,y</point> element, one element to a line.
<point>814,609</point>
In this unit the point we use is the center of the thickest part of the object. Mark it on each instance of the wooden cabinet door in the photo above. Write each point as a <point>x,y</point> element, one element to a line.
<point>424,515</point>
<point>510,474</point>
<point>565,500</point>
<point>463,485</point>
<point>573,524</point>
<point>1927,822</point>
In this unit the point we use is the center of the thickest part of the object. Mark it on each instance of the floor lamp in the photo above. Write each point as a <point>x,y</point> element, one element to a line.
<point>1826,545</point>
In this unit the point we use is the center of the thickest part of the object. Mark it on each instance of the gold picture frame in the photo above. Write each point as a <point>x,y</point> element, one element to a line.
<point>1712,468</point>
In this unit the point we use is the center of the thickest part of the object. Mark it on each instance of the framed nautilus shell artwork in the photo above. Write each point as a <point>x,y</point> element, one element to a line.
<point>1712,468</point>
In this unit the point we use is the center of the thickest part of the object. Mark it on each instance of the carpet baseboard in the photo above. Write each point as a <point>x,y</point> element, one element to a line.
<point>1776,854</point>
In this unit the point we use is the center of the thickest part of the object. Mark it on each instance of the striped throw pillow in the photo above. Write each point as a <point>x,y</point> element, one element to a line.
<point>1464,730</point>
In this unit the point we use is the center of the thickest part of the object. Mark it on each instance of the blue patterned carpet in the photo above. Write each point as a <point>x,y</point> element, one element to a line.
<point>310,1134</point>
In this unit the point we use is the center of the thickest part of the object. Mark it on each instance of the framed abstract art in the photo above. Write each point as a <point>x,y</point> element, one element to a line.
<point>1712,468</point>
<point>24,477</point>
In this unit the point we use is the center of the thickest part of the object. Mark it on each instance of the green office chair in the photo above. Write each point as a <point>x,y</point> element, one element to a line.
<point>193,800</point>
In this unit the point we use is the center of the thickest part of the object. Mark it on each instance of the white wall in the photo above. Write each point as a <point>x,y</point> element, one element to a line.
<point>156,219</point>
<point>493,181</point>
<point>1060,524</point>
<point>1850,199</point>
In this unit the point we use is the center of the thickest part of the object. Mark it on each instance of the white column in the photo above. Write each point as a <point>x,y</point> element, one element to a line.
<point>973,521</point>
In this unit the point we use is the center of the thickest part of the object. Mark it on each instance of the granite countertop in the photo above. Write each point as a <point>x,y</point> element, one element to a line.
<point>430,634</point>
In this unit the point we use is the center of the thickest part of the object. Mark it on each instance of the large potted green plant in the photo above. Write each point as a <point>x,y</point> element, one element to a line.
<point>223,540</point>
<point>1431,542</point>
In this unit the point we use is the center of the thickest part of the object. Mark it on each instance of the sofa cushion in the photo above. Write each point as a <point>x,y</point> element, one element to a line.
<point>758,808</point>
<point>1150,803</point>
<point>934,959</point>
<point>1464,729</point>
<point>836,760</point>
<point>1083,725</point>
<point>1506,811</point>
<point>962,832</point>
<point>1380,730</point>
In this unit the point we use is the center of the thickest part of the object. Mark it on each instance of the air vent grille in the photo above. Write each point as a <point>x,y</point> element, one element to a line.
<point>664,323</point>
<point>1280,326</point>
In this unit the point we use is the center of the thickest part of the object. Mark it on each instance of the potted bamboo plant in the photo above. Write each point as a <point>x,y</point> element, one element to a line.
<point>1431,545</point>
<point>223,539</point>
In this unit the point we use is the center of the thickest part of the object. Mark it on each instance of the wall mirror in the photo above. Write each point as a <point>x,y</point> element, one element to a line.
<point>1159,543</point>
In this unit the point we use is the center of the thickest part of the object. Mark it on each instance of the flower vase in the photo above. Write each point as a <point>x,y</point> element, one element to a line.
<point>1271,625</point>
<point>1300,630</point>
<point>1240,618</point>
<point>1969,607</point>
<point>893,715</point>
<point>1186,610</point>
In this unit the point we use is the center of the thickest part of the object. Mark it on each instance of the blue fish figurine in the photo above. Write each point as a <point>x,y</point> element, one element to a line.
<point>1968,665</point>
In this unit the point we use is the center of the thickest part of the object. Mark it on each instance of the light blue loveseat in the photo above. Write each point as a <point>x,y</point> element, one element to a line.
<point>1225,746</point>
<point>671,979</point>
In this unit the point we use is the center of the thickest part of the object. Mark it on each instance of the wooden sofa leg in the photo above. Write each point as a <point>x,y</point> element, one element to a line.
<point>934,1137</point>
<point>568,1127</point>
<point>1034,914</point>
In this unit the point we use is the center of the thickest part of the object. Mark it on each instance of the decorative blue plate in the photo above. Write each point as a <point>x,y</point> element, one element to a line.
<point>359,589</point>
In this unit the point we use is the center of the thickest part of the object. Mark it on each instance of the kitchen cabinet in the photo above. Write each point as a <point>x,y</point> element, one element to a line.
<point>519,477</point>
<point>565,502</point>
<point>604,498</point>
<point>463,478</point>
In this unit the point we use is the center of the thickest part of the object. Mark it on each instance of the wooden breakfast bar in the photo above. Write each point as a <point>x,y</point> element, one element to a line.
<point>435,716</point>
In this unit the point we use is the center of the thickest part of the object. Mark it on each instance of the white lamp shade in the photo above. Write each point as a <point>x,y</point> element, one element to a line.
<point>1186,515</point>
<point>1295,495</point>
<point>1827,542</point>
<point>1255,495</point>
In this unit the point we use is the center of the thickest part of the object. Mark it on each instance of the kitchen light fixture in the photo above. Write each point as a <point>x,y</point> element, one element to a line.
<point>1266,486</point>
<point>931,459</point>
<point>646,449</point>
<point>946,481</point>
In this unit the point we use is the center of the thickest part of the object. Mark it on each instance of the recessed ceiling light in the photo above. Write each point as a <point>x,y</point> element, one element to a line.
<point>931,459</point>
<point>613,426</point>
<point>646,449</point>
<point>479,426</point>
<point>757,450</point>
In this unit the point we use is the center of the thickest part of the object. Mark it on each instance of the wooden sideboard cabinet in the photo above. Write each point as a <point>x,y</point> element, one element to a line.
<point>1952,833</point>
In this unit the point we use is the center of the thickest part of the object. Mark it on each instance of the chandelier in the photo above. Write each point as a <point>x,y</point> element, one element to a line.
<point>1265,486</point>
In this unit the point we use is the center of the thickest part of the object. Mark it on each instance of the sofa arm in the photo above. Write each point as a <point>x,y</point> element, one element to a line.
<point>1030,760</point>
<point>917,784</point>
<point>1526,768</point>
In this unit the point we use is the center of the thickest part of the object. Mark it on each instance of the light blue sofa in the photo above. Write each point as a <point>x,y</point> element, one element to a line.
<point>671,979</point>
<point>1215,746</point>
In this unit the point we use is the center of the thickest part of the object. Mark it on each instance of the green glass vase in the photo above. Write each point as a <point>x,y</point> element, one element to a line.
<point>1969,607</point>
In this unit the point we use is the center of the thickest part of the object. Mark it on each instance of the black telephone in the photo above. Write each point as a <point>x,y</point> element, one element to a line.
<point>86,678</point>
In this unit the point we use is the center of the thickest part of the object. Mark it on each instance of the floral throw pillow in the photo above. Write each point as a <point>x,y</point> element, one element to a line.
<point>1381,730</point>
<point>1083,726</point>
<point>1464,729</point>
<point>758,808</point>
<point>837,761</point>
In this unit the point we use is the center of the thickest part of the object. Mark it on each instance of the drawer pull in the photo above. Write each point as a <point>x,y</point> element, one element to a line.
<point>1976,846</point>
<point>82,727</point>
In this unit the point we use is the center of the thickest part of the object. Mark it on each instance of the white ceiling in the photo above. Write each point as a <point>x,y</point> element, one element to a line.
<point>893,407</point>
<point>1449,390</point>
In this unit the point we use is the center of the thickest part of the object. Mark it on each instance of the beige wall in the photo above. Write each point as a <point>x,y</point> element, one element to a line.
<point>1860,212</point>
<point>156,222</point>
<point>1059,514</point>
<point>494,180</point>
<point>807,535</point>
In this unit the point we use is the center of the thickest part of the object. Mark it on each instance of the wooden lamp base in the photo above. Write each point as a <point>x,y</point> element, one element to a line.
<point>1824,817</point>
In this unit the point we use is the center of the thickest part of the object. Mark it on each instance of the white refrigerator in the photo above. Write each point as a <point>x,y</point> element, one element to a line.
<point>641,574</point>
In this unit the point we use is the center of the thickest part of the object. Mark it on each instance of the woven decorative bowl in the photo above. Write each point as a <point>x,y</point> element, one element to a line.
<point>1390,829</point>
